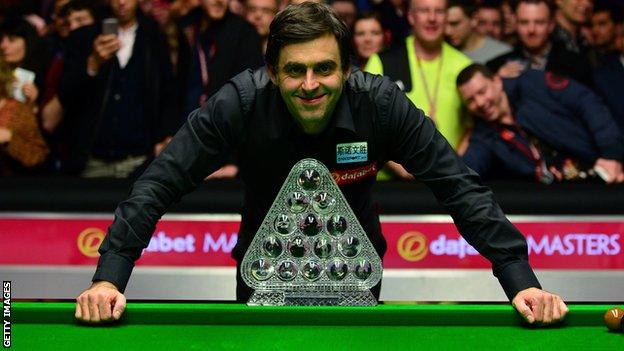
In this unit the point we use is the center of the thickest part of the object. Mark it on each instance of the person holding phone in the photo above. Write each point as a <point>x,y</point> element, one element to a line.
<point>121,95</point>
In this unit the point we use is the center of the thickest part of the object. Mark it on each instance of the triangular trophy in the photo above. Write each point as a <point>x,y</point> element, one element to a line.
<point>310,249</point>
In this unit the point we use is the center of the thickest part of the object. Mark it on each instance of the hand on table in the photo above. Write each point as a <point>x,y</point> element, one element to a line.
<point>613,169</point>
<point>102,302</point>
<point>540,306</point>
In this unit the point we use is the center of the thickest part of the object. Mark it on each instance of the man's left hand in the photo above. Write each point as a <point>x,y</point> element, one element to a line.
<point>539,306</point>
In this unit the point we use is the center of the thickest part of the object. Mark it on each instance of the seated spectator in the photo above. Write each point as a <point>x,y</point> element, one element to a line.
<point>21,145</point>
<point>260,13</point>
<point>536,50</point>
<point>609,83</point>
<point>539,125</point>
<point>462,32</point>
<point>346,10</point>
<point>606,25</point>
<point>489,19</point>
<point>368,37</point>
<point>123,96</point>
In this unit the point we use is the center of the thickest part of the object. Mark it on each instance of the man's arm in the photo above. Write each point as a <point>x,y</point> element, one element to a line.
<point>198,149</point>
<point>420,148</point>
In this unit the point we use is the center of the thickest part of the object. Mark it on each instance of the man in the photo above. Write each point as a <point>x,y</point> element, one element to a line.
<point>302,105</point>
<point>260,13</point>
<point>346,9</point>
<point>535,49</point>
<point>539,125</point>
<point>425,67</point>
<point>606,25</point>
<point>119,95</point>
<point>609,80</point>
<point>570,17</point>
<point>461,32</point>
<point>489,18</point>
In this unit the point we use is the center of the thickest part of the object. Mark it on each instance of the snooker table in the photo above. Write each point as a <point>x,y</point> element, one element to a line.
<point>229,326</point>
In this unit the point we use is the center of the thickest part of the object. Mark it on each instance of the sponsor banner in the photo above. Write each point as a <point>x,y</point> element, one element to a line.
<point>413,242</point>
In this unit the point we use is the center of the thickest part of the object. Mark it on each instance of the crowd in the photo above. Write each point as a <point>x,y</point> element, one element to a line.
<point>522,89</point>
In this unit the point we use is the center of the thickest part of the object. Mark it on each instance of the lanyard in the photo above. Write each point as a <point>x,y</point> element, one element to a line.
<point>531,152</point>
<point>203,65</point>
<point>431,97</point>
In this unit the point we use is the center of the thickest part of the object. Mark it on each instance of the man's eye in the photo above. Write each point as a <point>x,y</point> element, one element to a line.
<point>295,70</point>
<point>324,69</point>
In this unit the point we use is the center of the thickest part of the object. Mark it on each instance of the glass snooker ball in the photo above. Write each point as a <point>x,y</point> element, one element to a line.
<point>297,202</point>
<point>323,247</point>
<point>283,224</point>
<point>310,224</point>
<point>309,179</point>
<point>363,269</point>
<point>312,270</point>
<point>337,270</point>
<point>336,225</point>
<point>349,246</point>
<point>297,246</point>
<point>287,270</point>
<point>323,202</point>
<point>261,269</point>
<point>272,246</point>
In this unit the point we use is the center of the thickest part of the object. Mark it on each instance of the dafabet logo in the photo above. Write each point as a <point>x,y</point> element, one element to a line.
<point>89,241</point>
<point>412,246</point>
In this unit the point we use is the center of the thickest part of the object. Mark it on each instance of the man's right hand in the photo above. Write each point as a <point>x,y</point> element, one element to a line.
<point>102,302</point>
<point>104,47</point>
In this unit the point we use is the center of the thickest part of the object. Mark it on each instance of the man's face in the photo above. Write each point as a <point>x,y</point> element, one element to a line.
<point>428,19</point>
<point>603,29</point>
<point>483,97</point>
<point>458,27</point>
<point>124,10</point>
<point>489,22</point>
<point>534,25</point>
<point>346,10</point>
<point>310,81</point>
<point>215,9</point>
<point>576,11</point>
<point>80,18</point>
<point>260,13</point>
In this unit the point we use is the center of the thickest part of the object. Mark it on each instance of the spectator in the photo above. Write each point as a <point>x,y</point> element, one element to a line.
<point>538,125</point>
<point>509,22</point>
<point>609,80</point>
<point>489,19</point>
<point>260,13</point>
<point>21,144</point>
<point>535,50</point>
<point>571,15</point>
<point>123,96</point>
<point>346,10</point>
<point>393,14</point>
<point>462,33</point>
<point>606,25</point>
<point>368,37</point>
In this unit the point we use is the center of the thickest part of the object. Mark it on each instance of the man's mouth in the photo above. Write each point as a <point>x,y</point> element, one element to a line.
<point>311,100</point>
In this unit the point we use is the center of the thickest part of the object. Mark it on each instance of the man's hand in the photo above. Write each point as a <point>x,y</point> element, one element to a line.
<point>31,92</point>
<point>511,69</point>
<point>5,135</point>
<point>540,306</point>
<point>104,47</point>
<point>613,169</point>
<point>102,302</point>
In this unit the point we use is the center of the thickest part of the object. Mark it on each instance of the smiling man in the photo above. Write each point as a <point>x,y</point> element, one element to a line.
<point>308,104</point>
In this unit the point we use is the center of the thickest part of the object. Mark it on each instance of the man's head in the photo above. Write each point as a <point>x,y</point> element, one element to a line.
<point>575,11</point>
<point>489,20</point>
<point>535,22</point>
<point>308,59</point>
<point>215,9</point>
<point>125,10</point>
<point>78,13</point>
<point>482,92</point>
<point>459,22</point>
<point>606,23</point>
<point>428,19</point>
<point>260,13</point>
<point>346,10</point>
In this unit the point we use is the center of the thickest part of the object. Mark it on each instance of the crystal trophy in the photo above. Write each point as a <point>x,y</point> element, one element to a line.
<point>310,250</point>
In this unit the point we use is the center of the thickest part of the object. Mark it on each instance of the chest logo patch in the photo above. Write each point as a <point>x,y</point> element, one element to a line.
<point>352,152</point>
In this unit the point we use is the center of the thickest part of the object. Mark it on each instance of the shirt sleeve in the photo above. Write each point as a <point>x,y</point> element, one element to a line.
<point>199,148</point>
<point>415,143</point>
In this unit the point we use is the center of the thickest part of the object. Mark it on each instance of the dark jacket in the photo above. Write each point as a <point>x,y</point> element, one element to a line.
<point>86,97</point>
<point>249,116</point>
<point>609,81</point>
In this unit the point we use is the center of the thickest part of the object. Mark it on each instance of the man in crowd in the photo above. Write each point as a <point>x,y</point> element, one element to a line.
<point>609,81</point>
<point>535,49</point>
<point>570,17</point>
<point>425,67</point>
<point>540,126</point>
<point>489,19</point>
<point>606,26</point>
<point>260,13</point>
<point>304,103</point>
<point>461,32</point>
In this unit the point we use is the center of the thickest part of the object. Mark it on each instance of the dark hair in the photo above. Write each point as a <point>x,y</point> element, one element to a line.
<point>549,3</point>
<point>491,5</point>
<point>305,22</point>
<point>35,57</point>
<point>367,15</point>
<point>467,73</point>
<point>78,5</point>
<point>468,7</point>
<point>615,10</point>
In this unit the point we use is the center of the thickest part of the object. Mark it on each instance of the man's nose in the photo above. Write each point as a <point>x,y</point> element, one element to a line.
<point>310,82</point>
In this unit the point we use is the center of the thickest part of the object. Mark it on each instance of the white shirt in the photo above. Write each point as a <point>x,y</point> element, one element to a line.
<point>126,39</point>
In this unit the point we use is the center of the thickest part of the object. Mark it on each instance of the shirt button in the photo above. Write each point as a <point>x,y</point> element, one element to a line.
<point>117,97</point>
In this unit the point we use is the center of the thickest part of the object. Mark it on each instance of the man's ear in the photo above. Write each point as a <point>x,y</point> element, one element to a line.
<point>272,74</point>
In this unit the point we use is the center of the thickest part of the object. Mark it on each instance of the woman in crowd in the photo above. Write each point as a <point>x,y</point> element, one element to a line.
<point>368,37</point>
<point>21,145</point>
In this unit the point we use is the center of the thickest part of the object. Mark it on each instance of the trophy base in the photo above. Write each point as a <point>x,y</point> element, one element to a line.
<point>291,298</point>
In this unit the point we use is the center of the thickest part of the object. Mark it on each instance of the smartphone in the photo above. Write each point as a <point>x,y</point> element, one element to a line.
<point>110,26</point>
<point>22,76</point>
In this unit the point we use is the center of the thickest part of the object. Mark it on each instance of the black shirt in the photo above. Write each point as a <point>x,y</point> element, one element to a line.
<point>249,118</point>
